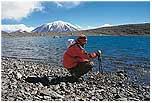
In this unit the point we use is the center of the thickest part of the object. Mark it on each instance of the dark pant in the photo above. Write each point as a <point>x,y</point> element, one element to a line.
<point>81,69</point>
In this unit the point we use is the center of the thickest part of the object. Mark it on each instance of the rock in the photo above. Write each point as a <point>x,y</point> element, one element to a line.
<point>46,97</point>
<point>70,86</point>
<point>27,89</point>
<point>120,83</point>
<point>56,87</point>
<point>91,77</point>
<point>34,92</point>
<point>93,98</point>
<point>81,99</point>
<point>40,97</point>
<point>19,98</point>
<point>11,98</point>
<point>10,72</point>
<point>122,99</point>
<point>15,65</point>
<point>27,93</point>
<point>51,93</point>
<point>100,97</point>
<point>18,75</point>
<point>121,74</point>
<point>63,86</point>
<point>101,90</point>
<point>113,90</point>
<point>147,97</point>
<point>133,99</point>
<point>117,96</point>
<point>101,87</point>
<point>98,87</point>
<point>146,87</point>
<point>36,98</point>
<point>131,94</point>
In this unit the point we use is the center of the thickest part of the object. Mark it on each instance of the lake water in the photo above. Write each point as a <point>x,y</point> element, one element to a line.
<point>130,53</point>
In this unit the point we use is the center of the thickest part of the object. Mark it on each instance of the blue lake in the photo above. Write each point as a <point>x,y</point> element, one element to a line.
<point>130,53</point>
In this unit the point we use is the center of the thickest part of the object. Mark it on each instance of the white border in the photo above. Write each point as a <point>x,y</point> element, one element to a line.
<point>85,101</point>
<point>76,0</point>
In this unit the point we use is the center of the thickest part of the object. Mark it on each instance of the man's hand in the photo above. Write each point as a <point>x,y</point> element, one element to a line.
<point>99,53</point>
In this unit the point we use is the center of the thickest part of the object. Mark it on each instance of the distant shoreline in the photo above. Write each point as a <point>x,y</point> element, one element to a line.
<point>120,30</point>
<point>58,35</point>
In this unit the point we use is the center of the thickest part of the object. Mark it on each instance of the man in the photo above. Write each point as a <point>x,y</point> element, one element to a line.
<point>76,60</point>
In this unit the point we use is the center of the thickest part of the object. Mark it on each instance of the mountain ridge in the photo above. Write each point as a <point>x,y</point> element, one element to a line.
<point>127,29</point>
<point>56,26</point>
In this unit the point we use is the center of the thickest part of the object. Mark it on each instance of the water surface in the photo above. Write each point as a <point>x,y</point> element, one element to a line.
<point>130,53</point>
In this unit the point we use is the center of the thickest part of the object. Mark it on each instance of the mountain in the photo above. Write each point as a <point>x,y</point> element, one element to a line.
<point>4,32</point>
<point>20,31</point>
<point>57,26</point>
<point>128,29</point>
<point>9,28</point>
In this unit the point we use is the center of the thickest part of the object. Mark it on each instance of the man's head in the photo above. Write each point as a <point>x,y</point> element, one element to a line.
<point>82,39</point>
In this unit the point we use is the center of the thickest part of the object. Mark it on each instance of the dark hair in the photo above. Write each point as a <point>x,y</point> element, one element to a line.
<point>82,37</point>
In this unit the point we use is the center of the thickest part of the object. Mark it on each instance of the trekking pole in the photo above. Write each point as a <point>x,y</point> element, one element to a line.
<point>100,62</point>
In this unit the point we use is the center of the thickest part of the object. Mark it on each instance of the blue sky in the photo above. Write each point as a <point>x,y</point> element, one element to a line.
<point>83,14</point>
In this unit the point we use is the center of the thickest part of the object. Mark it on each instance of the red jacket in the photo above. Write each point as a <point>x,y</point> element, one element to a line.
<point>76,54</point>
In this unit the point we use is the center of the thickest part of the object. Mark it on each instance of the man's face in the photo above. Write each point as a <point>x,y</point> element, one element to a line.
<point>83,40</point>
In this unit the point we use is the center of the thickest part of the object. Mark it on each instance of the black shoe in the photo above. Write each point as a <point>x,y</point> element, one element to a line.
<point>73,79</point>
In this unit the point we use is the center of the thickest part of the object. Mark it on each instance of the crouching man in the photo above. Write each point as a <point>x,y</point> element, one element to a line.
<point>76,60</point>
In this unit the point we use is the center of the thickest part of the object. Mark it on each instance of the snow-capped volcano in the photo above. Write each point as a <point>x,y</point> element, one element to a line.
<point>57,26</point>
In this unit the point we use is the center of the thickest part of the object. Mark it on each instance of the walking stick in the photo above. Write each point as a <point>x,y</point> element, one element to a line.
<point>100,63</point>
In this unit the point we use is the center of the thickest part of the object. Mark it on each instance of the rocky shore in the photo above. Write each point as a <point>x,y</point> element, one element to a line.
<point>28,81</point>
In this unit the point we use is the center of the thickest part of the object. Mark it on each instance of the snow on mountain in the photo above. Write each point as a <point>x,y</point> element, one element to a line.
<point>16,27</point>
<point>57,26</point>
<point>106,25</point>
<point>95,27</point>
<point>20,31</point>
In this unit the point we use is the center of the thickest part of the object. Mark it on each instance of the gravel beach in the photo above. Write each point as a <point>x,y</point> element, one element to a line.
<point>28,81</point>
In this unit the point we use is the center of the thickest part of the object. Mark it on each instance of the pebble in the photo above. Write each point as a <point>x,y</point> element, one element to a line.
<point>19,75</point>
<point>122,99</point>
<point>117,96</point>
<point>97,87</point>
<point>113,90</point>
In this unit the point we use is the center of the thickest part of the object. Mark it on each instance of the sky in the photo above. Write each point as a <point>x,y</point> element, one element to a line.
<point>86,14</point>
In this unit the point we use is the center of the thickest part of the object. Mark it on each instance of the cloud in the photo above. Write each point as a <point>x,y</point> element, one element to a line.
<point>18,10</point>
<point>67,4</point>
<point>12,28</point>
